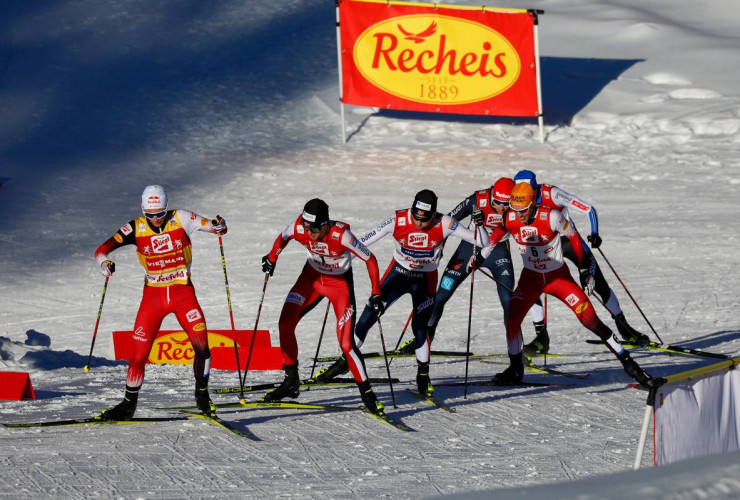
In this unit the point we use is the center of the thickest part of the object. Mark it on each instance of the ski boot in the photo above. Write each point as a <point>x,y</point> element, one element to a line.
<point>202,399</point>
<point>290,388</point>
<point>635,371</point>
<point>125,409</point>
<point>408,347</point>
<point>339,367</point>
<point>541,343</point>
<point>423,382</point>
<point>514,373</point>
<point>370,400</point>
<point>629,334</point>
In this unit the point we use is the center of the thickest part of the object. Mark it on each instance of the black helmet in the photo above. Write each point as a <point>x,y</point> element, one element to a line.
<point>425,205</point>
<point>315,214</point>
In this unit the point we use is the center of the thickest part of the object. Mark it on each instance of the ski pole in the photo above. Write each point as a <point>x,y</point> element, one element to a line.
<point>231,313</point>
<point>403,332</point>
<point>630,295</point>
<point>494,279</point>
<point>387,366</point>
<point>321,336</point>
<point>97,322</point>
<point>254,332</point>
<point>470,311</point>
<point>545,314</point>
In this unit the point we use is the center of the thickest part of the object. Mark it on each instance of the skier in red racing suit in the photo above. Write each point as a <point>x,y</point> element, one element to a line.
<point>327,273</point>
<point>536,231</point>
<point>162,240</point>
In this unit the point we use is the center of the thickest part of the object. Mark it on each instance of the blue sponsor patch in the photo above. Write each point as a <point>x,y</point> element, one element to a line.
<point>447,283</point>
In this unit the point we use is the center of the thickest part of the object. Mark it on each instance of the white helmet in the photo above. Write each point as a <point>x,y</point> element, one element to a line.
<point>154,198</point>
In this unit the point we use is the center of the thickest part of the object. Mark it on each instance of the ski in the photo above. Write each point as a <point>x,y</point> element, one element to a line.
<point>504,355</point>
<point>293,405</point>
<point>432,401</point>
<point>675,349</point>
<point>217,421</point>
<point>304,383</point>
<point>399,354</point>
<point>496,383</point>
<point>552,371</point>
<point>91,421</point>
<point>386,420</point>
<point>547,370</point>
<point>289,405</point>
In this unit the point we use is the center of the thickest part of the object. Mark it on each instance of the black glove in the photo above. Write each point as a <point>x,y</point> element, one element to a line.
<point>376,304</point>
<point>219,225</point>
<point>268,266</point>
<point>475,259</point>
<point>595,240</point>
<point>477,216</point>
<point>587,281</point>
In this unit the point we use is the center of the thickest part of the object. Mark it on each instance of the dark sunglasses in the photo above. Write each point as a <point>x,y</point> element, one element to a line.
<point>157,215</point>
<point>311,229</point>
<point>501,203</point>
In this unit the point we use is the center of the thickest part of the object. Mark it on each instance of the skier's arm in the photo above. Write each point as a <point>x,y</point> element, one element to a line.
<point>453,228</point>
<point>565,199</point>
<point>464,208</point>
<point>380,231</point>
<point>584,258</point>
<point>498,233</point>
<point>192,222</point>
<point>280,242</point>
<point>124,236</point>
<point>351,243</point>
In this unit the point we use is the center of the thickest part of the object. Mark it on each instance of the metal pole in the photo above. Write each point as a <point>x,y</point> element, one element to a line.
<point>231,314</point>
<point>97,322</point>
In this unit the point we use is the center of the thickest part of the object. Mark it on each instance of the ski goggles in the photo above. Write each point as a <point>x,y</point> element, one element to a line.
<point>500,203</point>
<point>520,210</point>
<point>157,215</point>
<point>311,228</point>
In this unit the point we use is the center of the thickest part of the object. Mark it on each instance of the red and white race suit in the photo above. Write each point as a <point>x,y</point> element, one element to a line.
<point>553,197</point>
<point>165,254</point>
<point>327,273</point>
<point>413,269</point>
<point>421,250</point>
<point>545,272</point>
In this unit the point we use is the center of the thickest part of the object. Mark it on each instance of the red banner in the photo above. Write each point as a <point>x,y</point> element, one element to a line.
<point>173,347</point>
<point>438,58</point>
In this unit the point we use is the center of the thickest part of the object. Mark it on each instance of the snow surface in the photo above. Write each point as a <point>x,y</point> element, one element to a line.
<point>233,107</point>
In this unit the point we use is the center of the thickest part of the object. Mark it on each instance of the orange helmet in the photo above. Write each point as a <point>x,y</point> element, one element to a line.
<point>522,197</point>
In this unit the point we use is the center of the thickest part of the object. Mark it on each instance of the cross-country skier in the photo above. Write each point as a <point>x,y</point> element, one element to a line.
<point>327,273</point>
<point>537,230</point>
<point>162,240</point>
<point>553,197</point>
<point>419,234</point>
<point>485,208</point>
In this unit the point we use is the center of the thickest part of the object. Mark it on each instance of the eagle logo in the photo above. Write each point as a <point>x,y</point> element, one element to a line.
<point>421,36</point>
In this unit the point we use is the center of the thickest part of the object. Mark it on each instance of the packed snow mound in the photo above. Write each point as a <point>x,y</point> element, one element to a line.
<point>35,353</point>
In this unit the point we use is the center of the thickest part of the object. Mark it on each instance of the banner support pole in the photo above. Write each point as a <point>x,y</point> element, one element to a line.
<point>339,66</point>
<point>538,79</point>
<point>649,412</point>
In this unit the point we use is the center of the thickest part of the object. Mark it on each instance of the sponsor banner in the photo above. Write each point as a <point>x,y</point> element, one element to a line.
<point>173,347</point>
<point>698,415</point>
<point>438,58</point>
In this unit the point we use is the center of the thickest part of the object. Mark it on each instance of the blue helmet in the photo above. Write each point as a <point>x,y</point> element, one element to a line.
<point>526,176</point>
